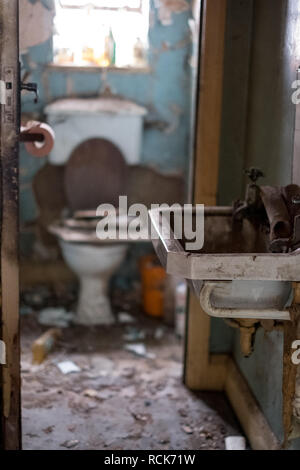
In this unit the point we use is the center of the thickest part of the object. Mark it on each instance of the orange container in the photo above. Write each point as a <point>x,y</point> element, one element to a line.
<point>153,285</point>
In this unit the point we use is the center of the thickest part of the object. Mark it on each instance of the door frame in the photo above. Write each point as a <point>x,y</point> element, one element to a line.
<point>10,384</point>
<point>202,369</point>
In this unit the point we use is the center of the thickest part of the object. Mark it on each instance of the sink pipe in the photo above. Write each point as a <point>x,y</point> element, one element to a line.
<point>219,312</point>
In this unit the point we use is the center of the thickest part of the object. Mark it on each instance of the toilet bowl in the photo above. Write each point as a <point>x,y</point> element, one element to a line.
<point>94,266</point>
<point>96,155</point>
<point>93,260</point>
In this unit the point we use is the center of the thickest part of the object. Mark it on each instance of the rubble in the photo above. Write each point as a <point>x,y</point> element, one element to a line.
<point>115,399</point>
<point>48,430</point>
<point>124,317</point>
<point>58,317</point>
<point>134,334</point>
<point>67,367</point>
<point>235,443</point>
<point>139,349</point>
<point>91,393</point>
<point>70,444</point>
<point>187,429</point>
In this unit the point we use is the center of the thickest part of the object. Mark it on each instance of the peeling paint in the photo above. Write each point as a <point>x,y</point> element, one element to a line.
<point>165,83</point>
<point>36,23</point>
<point>69,86</point>
<point>167,7</point>
<point>176,114</point>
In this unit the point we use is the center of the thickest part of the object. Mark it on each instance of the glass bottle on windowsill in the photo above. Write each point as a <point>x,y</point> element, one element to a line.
<point>110,48</point>
<point>139,53</point>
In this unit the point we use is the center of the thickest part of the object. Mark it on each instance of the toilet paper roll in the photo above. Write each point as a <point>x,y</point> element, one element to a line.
<point>39,149</point>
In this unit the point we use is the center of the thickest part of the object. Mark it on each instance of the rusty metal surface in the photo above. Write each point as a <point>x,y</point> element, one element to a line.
<point>31,137</point>
<point>282,205</point>
<point>279,218</point>
<point>219,260</point>
<point>10,125</point>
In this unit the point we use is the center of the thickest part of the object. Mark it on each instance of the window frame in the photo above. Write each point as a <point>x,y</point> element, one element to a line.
<point>89,4</point>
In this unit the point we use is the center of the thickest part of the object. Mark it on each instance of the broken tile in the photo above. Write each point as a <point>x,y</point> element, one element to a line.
<point>68,367</point>
<point>139,349</point>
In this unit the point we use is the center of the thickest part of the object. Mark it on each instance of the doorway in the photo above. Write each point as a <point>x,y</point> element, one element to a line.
<point>101,387</point>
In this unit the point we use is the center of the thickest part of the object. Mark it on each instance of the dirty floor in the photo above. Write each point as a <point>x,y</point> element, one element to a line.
<point>117,400</point>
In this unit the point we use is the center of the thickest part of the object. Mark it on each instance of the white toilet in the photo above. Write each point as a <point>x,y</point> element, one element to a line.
<point>96,139</point>
<point>94,266</point>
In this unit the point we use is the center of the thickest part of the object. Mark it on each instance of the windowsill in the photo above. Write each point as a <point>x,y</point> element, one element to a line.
<point>95,68</point>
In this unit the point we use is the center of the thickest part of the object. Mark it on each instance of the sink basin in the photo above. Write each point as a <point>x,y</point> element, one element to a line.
<point>233,274</point>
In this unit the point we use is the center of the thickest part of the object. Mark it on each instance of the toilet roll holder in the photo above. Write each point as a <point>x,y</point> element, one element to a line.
<point>24,136</point>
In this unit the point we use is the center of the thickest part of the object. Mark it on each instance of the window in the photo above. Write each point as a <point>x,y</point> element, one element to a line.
<point>101,32</point>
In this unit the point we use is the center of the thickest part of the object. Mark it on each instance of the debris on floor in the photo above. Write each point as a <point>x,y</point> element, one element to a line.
<point>70,444</point>
<point>44,344</point>
<point>67,367</point>
<point>139,349</point>
<point>42,296</point>
<point>235,443</point>
<point>122,394</point>
<point>91,393</point>
<point>134,334</point>
<point>159,333</point>
<point>101,366</point>
<point>124,317</point>
<point>56,316</point>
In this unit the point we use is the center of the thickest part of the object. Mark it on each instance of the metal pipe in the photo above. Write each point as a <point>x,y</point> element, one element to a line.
<point>218,210</point>
<point>26,137</point>
<point>259,314</point>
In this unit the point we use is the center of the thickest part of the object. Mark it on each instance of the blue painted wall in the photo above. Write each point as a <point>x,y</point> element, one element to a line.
<point>164,90</point>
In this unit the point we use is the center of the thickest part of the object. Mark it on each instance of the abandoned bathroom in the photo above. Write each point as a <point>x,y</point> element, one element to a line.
<point>146,342</point>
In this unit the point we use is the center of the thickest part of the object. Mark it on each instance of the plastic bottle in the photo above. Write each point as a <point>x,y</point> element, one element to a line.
<point>110,48</point>
<point>153,285</point>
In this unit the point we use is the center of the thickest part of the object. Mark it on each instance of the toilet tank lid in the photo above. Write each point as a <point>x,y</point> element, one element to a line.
<point>95,106</point>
